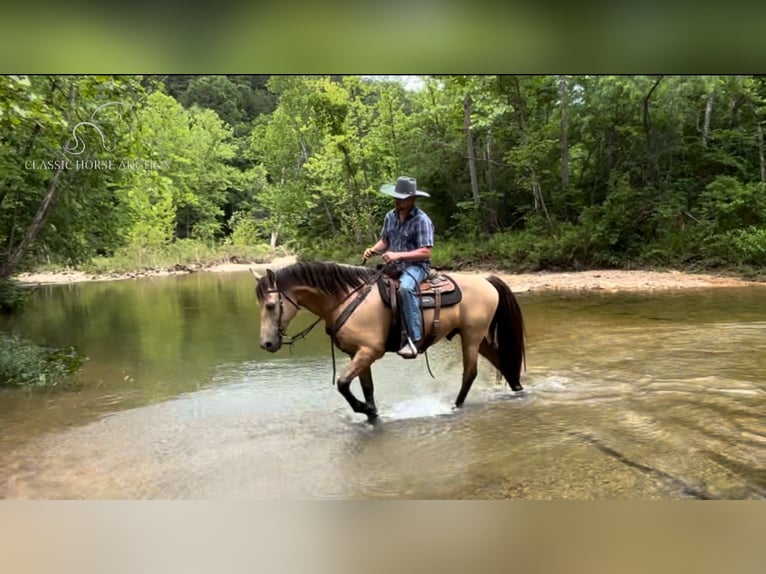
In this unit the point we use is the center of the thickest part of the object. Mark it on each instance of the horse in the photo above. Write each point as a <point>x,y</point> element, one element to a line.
<point>487,318</point>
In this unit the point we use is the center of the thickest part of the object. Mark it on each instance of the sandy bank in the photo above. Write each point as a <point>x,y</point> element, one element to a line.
<point>603,280</point>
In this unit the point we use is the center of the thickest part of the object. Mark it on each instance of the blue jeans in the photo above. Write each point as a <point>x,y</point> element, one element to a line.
<point>409,285</point>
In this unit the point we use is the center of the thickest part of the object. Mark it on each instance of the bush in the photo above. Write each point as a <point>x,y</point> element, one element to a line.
<point>13,297</point>
<point>729,205</point>
<point>738,247</point>
<point>451,254</point>
<point>24,364</point>
<point>244,231</point>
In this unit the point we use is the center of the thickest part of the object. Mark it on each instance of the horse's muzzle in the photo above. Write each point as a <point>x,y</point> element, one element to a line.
<point>271,345</point>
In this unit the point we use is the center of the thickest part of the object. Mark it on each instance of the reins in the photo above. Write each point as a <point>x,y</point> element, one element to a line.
<point>365,288</point>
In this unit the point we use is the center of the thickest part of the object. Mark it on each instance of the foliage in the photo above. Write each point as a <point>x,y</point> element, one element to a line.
<point>50,206</point>
<point>24,364</point>
<point>570,171</point>
<point>244,229</point>
<point>13,297</point>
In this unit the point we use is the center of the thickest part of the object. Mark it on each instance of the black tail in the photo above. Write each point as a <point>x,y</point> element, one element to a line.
<point>507,330</point>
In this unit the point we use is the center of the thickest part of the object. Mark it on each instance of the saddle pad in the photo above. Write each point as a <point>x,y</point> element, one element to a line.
<point>450,292</point>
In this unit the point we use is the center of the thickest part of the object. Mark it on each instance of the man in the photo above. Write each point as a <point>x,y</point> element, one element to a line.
<point>405,242</point>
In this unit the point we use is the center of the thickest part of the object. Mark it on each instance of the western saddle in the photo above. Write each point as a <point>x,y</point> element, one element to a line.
<point>435,292</point>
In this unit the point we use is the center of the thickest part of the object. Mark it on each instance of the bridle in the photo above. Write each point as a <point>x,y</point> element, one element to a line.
<point>281,331</point>
<point>286,339</point>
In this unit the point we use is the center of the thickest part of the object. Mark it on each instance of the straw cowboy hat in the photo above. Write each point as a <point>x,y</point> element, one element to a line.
<point>405,187</point>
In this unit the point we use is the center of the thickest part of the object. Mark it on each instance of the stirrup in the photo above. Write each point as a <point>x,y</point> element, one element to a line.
<point>409,350</point>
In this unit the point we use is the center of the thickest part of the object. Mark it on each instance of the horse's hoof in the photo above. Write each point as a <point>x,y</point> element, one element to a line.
<point>372,419</point>
<point>516,387</point>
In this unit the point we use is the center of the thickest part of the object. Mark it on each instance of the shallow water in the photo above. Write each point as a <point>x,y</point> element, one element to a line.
<point>626,396</point>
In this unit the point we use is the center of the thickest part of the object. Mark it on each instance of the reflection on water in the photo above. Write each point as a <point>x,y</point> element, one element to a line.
<point>627,396</point>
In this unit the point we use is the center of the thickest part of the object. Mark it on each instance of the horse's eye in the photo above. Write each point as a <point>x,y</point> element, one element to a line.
<point>271,306</point>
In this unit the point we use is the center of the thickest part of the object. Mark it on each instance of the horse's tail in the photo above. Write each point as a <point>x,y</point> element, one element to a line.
<point>507,332</point>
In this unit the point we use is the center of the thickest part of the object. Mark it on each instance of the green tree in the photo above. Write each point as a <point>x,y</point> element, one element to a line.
<point>51,205</point>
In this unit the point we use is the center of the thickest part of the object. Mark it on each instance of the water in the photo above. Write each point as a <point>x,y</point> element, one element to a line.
<point>627,397</point>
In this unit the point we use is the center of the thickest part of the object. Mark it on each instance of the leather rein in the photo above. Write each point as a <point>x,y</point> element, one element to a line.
<point>363,290</point>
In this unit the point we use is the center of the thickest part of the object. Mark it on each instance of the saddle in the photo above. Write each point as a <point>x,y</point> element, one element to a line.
<point>435,292</point>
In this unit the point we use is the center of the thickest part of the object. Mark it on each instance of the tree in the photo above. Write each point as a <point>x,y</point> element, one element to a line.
<point>57,122</point>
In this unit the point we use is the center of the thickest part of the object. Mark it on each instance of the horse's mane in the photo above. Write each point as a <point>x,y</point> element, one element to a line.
<point>329,278</point>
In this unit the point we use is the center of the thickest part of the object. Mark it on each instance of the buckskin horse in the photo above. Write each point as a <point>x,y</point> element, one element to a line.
<point>363,320</point>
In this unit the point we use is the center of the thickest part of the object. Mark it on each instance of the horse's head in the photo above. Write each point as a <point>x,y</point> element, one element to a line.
<point>277,310</point>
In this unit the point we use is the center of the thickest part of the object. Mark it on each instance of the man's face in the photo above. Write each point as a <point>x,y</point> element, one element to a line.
<point>404,204</point>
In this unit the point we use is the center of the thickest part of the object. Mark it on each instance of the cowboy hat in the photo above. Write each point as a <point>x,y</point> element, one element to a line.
<point>405,187</point>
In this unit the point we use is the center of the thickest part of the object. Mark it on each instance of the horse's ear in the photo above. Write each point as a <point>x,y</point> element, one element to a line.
<point>255,274</point>
<point>272,278</point>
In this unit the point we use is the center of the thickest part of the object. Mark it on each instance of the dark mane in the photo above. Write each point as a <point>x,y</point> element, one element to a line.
<point>329,278</point>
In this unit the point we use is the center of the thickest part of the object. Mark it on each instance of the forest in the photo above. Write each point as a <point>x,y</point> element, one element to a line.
<point>525,172</point>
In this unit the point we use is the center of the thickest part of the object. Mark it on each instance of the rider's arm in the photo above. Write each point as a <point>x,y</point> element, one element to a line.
<point>419,254</point>
<point>380,247</point>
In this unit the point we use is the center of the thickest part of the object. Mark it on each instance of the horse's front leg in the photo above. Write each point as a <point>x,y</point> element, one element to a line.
<point>360,366</point>
<point>365,378</point>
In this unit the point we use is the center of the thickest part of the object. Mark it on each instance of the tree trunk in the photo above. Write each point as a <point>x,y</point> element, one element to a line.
<point>393,134</point>
<point>493,224</point>
<point>537,191</point>
<point>708,115</point>
<point>330,218</point>
<point>437,125</point>
<point>651,155</point>
<point>564,102</point>
<point>760,151</point>
<point>490,181</point>
<point>10,264</point>
<point>759,136</point>
<point>470,148</point>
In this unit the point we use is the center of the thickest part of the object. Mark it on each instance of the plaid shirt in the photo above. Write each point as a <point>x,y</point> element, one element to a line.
<point>414,232</point>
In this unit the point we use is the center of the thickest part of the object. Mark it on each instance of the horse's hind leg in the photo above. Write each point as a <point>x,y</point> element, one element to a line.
<point>488,351</point>
<point>359,366</point>
<point>470,357</point>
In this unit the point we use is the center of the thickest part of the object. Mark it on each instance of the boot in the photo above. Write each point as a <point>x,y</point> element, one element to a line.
<point>409,350</point>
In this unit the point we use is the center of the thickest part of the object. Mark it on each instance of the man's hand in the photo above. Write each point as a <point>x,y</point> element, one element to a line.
<point>390,257</point>
<point>369,253</point>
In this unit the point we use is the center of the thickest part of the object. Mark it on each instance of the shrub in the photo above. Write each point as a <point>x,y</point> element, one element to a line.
<point>727,204</point>
<point>24,364</point>
<point>243,229</point>
<point>738,247</point>
<point>13,297</point>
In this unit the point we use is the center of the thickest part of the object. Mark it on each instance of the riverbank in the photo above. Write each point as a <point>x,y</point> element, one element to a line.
<point>75,276</point>
<point>593,280</point>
